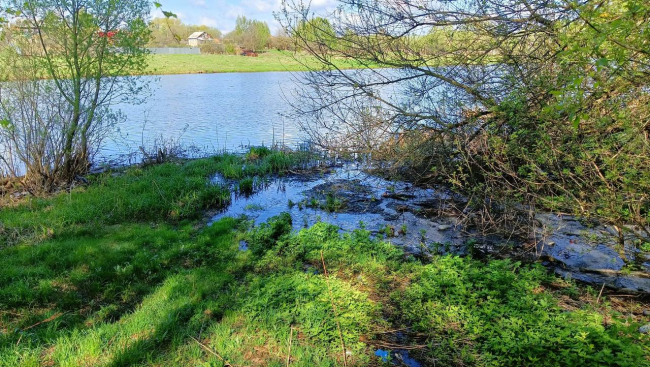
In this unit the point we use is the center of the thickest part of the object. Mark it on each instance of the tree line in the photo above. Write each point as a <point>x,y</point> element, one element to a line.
<point>249,34</point>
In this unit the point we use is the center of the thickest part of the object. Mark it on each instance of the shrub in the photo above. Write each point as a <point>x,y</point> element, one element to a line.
<point>212,48</point>
<point>496,314</point>
<point>255,153</point>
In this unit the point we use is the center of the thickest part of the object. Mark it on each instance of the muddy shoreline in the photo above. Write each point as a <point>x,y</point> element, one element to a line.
<point>417,220</point>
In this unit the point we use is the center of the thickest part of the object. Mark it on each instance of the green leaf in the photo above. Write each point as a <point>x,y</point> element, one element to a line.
<point>157,4</point>
<point>5,123</point>
<point>602,62</point>
<point>576,121</point>
<point>169,14</point>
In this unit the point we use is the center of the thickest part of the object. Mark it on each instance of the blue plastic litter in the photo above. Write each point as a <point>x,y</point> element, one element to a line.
<point>383,354</point>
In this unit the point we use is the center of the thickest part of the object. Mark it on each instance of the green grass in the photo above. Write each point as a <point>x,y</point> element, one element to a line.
<point>171,192</point>
<point>126,281</point>
<point>267,61</point>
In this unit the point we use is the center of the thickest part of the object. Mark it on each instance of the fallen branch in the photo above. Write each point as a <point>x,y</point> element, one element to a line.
<point>600,294</point>
<point>610,272</point>
<point>398,346</point>
<point>49,319</point>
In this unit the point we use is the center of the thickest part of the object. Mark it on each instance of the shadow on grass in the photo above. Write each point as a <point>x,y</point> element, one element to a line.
<point>91,278</point>
<point>262,306</point>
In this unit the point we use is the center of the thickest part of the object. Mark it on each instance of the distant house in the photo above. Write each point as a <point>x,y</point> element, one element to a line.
<point>198,39</point>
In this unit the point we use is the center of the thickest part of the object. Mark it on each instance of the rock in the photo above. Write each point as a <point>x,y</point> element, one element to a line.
<point>397,196</point>
<point>19,195</point>
<point>402,208</point>
<point>574,233</point>
<point>645,329</point>
<point>444,227</point>
<point>646,312</point>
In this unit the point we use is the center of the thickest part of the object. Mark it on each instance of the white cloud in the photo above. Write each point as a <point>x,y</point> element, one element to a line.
<point>262,5</point>
<point>198,2</point>
<point>323,4</point>
<point>210,22</point>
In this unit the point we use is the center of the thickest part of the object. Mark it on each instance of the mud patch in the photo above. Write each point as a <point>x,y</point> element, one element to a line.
<point>423,222</point>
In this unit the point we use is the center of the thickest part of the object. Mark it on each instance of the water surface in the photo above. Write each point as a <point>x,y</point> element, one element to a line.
<point>210,111</point>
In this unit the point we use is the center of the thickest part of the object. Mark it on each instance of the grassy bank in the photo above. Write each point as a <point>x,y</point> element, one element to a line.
<point>268,61</point>
<point>124,272</point>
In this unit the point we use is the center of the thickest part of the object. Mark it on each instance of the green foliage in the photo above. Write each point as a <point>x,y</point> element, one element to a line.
<point>81,49</point>
<point>272,295</point>
<point>255,153</point>
<point>167,192</point>
<point>251,34</point>
<point>315,31</point>
<point>143,293</point>
<point>258,163</point>
<point>246,185</point>
<point>172,32</point>
<point>495,314</point>
<point>164,192</point>
<point>331,203</point>
<point>268,234</point>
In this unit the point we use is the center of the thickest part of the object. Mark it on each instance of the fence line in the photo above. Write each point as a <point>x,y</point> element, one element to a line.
<point>175,51</point>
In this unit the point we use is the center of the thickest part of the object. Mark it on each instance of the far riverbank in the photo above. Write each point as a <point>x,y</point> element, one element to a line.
<point>205,64</point>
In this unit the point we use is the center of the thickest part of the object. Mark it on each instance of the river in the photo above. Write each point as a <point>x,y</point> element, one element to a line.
<point>209,111</point>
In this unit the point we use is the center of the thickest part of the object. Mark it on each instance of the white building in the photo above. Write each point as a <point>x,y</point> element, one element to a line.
<point>198,38</point>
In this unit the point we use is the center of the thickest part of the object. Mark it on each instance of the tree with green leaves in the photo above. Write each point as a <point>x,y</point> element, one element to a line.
<point>86,50</point>
<point>172,32</point>
<point>250,33</point>
<point>536,102</point>
<point>315,31</point>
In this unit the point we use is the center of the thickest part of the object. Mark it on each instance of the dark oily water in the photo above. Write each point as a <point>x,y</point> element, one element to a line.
<point>405,216</point>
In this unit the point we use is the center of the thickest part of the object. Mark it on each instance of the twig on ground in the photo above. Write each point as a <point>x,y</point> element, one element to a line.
<point>209,350</point>
<point>398,346</point>
<point>49,319</point>
<point>600,294</point>
<point>290,340</point>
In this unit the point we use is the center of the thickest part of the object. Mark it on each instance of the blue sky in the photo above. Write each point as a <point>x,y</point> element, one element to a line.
<point>222,13</point>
